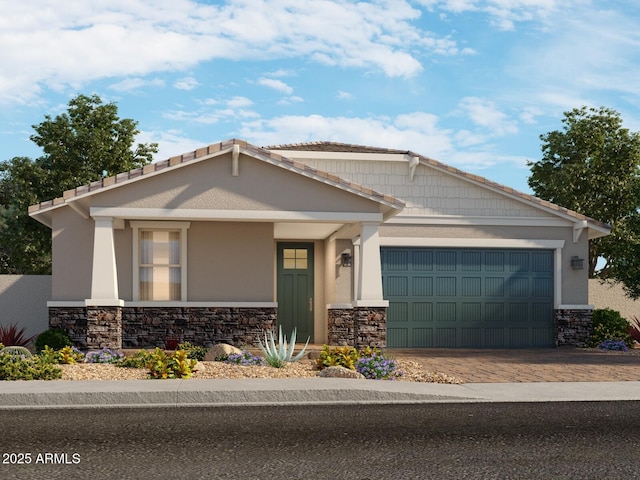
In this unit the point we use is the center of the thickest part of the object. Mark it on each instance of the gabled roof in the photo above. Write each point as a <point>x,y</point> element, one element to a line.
<point>477,179</point>
<point>201,154</point>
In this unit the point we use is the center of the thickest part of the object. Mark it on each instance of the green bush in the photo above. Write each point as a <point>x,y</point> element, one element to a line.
<point>193,351</point>
<point>176,365</point>
<point>138,360</point>
<point>66,355</point>
<point>609,325</point>
<point>337,356</point>
<point>55,338</point>
<point>14,367</point>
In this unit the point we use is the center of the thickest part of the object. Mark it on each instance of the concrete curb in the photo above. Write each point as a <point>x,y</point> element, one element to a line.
<point>146,393</point>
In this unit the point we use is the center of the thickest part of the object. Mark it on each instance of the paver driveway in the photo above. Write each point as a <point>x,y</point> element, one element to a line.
<point>563,364</point>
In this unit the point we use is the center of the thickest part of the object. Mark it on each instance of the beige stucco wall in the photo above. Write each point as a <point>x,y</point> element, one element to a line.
<point>611,295</point>
<point>210,185</point>
<point>230,261</point>
<point>72,260</point>
<point>23,302</point>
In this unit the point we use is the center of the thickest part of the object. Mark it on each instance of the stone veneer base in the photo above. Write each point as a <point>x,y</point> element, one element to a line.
<point>149,327</point>
<point>573,327</point>
<point>358,327</point>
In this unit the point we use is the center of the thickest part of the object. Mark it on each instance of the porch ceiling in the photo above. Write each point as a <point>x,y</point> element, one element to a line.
<point>305,231</point>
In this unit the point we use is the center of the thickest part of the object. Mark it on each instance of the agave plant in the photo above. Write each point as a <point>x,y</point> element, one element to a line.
<point>277,355</point>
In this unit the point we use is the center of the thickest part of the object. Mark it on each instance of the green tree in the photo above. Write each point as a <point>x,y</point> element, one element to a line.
<point>592,166</point>
<point>83,145</point>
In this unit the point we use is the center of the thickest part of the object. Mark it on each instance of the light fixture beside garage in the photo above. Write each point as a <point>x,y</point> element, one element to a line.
<point>346,259</point>
<point>577,263</point>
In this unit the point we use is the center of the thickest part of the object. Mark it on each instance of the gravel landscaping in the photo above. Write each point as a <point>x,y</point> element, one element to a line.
<point>412,372</point>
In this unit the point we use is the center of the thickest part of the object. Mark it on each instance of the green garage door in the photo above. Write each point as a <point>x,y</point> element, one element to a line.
<point>468,298</point>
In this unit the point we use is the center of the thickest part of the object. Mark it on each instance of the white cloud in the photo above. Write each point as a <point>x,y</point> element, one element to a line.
<point>52,47</point>
<point>130,84</point>
<point>485,114</point>
<point>344,95</point>
<point>503,14</point>
<point>212,111</point>
<point>186,83</point>
<point>278,85</point>
<point>416,131</point>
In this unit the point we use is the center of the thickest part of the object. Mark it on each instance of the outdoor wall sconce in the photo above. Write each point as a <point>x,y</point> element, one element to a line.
<point>346,260</point>
<point>577,263</point>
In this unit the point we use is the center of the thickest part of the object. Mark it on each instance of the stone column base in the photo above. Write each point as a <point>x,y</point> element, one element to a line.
<point>573,327</point>
<point>358,326</point>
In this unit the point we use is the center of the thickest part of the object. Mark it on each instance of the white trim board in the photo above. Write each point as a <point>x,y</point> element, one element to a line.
<point>470,242</point>
<point>233,215</point>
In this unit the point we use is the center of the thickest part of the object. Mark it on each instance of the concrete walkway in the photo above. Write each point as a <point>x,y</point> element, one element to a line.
<point>492,376</point>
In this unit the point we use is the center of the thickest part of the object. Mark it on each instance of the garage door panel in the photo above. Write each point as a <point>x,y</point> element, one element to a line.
<point>398,336</point>
<point>446,286</point>
<point>445,338</point>
<point>398,312</point>
<point>445,312</point>
<point>472,297</point>
<point>397,286</point>
<point>494,287</point>
<point>518,287</point>
<point>422,338</point>
<point>494,338</point>
<point>422,261</point>
<point>422,312</point>
<point>471,287</point>
<point>422,287</point>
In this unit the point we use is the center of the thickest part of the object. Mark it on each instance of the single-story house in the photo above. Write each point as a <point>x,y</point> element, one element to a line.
<point>351,245</point>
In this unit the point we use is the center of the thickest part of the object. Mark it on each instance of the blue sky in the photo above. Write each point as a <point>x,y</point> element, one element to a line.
<point>469,83</point>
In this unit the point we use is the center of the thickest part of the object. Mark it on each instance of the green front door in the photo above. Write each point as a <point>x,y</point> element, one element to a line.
<point>295,289</point>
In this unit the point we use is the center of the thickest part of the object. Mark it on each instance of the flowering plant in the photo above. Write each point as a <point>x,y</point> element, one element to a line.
<point>106,355</point>
<point>610,344</point>
<point>377,367</point>
<point>245,359</point>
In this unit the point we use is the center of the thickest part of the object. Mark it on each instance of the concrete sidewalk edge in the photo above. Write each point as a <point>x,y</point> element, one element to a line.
<point>131,393</point>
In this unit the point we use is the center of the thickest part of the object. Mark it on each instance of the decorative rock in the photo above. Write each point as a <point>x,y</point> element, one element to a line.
<point>221,349</point>
<point>340,372</point>
<point>199,367</point>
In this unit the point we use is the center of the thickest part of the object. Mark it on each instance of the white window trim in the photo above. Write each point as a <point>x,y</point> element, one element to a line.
<point>136,226</point>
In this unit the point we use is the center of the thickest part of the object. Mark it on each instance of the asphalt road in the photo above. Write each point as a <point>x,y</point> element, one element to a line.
<point>575,440</point>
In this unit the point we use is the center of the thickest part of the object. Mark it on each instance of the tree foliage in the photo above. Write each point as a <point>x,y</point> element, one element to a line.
<point>83,145</point>
<point>592,166</point>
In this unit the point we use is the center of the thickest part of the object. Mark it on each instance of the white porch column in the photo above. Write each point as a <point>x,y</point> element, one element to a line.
<point>104,275</point>
<point>369,270</point>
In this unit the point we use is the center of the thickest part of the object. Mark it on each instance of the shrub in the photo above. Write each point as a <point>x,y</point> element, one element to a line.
<point>105,355</point>
<point>245,359</point>
<point>55,338</point>
<point>14,367</point>
<point>613,345</point>
<point>377,367</point>
<point>12,337</point>
<point>609,325</point>
<point>138,360</point>
<point>193,351</point>
<point>337,356</point>
<point>634,328</point>
<point>176,365</point>
<point>66,355</point>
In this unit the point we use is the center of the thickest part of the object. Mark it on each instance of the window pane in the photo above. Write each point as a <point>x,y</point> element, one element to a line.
<point>160,272</point>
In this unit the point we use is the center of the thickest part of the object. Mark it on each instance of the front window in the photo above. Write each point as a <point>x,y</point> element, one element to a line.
<point>160,265</point>
<point>159,261</point>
